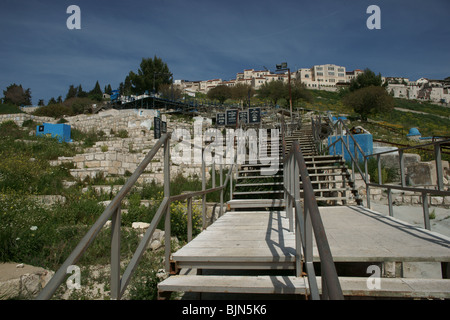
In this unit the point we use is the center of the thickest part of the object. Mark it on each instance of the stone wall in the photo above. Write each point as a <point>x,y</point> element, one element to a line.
<point>20,118</point>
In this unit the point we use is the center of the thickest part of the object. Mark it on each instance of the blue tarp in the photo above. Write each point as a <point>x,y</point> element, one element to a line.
<point>365,141</point>
<point>59,131</point>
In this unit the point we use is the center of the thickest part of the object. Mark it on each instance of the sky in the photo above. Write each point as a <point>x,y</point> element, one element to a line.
<point>209,39</point>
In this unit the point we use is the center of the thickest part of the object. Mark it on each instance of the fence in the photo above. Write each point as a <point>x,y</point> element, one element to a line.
<point>438,190</point>
<point>307,220</point>
<point>113,211</point>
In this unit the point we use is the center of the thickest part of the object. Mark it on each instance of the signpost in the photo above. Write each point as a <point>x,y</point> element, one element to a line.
<point>232,117</point>
<point>254,115</point>
<point>157,127</point>
<point>220,119</point>
<point>243,116</point>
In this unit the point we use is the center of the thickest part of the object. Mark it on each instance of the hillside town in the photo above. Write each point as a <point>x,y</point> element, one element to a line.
<point>328,77</point>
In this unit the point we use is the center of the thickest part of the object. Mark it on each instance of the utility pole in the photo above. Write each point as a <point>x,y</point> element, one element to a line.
<point>283,67</point>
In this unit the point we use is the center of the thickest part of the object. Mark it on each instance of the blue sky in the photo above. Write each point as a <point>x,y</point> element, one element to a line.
<point>201,40</point>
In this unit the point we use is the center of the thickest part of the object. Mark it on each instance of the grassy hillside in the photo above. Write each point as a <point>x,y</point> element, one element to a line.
<point>430,119</point>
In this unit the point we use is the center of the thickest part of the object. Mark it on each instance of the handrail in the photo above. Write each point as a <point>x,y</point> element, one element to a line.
<point>437,190</point>
<point>113,212</point>
<point>307,221</point>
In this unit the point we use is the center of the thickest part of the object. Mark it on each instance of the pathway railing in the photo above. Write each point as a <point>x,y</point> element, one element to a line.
<point>113,212</point>
<point>344,138</point>
<point>307,220</point>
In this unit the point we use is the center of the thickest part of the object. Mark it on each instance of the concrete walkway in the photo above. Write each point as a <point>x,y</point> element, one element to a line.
<point>413,214</point>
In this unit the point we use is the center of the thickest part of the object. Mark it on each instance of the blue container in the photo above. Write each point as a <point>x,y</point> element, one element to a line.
<point>59,131</point>
<point>365,141</point>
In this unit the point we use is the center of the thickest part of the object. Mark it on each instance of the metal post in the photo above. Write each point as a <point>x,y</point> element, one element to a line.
<point>426,212</point>
<point>203,189</point>
<point>221,184</point>
<point>366,171</point>
<point>391,210</point>
<point>167,231</point>
<point>115,255</point>
<point>292,178</point>
<point>380,175</point>
<point>439,173</point>
<point>297,207</point>
<point>189,218</point>
<point>402,167</point>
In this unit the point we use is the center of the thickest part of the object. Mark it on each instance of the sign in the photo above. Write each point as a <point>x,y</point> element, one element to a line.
<point>232,116</point>
<point>243,116</point>
<point>157,127</point>
<point>254,115</point>
<point>220,119</point>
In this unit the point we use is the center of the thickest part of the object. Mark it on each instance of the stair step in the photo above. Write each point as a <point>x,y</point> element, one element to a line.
<point>236,284</point>
<point>254,203</point>
<point>351,286</point>
<point>241,193</point>
<point>259,184</point>
<point>260,177</point>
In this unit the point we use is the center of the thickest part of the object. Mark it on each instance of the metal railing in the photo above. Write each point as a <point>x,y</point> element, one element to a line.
<point>113,212</point>
<point>307,220</point>
<point>438,190</point>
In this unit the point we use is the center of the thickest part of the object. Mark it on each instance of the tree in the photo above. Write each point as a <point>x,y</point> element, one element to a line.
<point>242,92</point>
<point>96,93</point>
<point>108,89</point>
<point>169,92</point>
<point>299,92</point>
<point>16,95</point>
<point>220,93</point>
<point>81,93</point>
<point>152,73</point>
<point>72,93</point>
<point>369,101</point>
<point>365,79</point>
<point>273,90</point>
<point>51,101</point>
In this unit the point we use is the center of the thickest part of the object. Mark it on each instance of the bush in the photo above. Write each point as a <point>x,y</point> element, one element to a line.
<point>370,100</point>
<point>55,111</point>
<point>122,133</point>
<point>388,174</point>
<point>9,109</point>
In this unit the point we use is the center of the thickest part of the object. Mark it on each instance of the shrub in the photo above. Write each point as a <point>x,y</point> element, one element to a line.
<point>122,133</point>
<point>369,100</point>
<point>55,110</point>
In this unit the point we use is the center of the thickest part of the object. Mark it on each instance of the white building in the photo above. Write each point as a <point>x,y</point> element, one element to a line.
<point>422,89</point>
<point>322,77</point>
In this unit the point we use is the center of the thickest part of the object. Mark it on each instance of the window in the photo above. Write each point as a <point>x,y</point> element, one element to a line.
<point>306,75</point>
<point>341,75</point>
<point>320,73</point>
<point>341,70</point>
<point>319,68</point>
<point>331,80</point>
<point>331,73</point>
<point>331,68</point>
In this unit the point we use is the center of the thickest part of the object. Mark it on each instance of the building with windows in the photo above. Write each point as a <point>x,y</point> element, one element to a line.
<point>322,77</point>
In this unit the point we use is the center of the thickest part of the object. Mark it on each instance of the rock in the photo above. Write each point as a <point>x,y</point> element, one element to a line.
<point>140,225</point>
<point>20,280</point>
<point>155,245</point>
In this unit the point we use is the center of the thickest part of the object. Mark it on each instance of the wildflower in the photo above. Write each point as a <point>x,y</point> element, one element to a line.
<point>33,228</point>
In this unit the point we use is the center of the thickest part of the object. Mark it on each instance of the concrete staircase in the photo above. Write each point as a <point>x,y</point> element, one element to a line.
<point>250,249</point>
<point>257,187</point>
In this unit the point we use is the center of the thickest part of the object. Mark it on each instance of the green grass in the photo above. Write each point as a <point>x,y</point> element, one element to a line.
<point>9,109</point>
